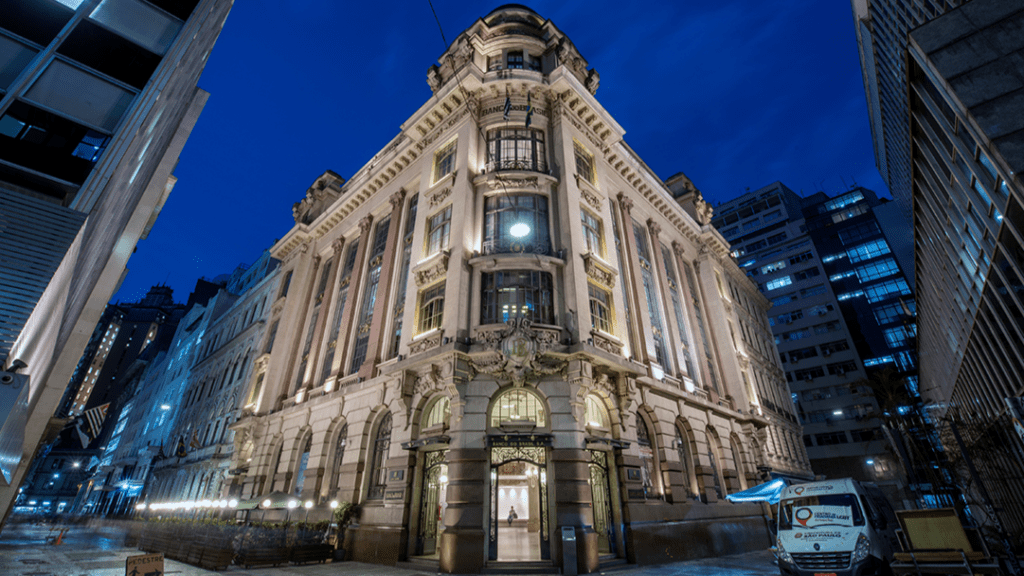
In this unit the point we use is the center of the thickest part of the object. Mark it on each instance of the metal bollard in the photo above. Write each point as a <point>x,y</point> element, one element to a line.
<point>569,550</point>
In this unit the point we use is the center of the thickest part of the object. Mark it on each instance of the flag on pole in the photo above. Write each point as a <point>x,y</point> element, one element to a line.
<point>180,452</point>
<point>508,105</point>
<point>194,442</point>
<point>529,110</point>
<point>82,436</point>
<point>93,419</point>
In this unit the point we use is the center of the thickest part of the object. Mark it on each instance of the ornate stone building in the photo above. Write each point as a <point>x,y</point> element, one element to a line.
<point>505,324</point>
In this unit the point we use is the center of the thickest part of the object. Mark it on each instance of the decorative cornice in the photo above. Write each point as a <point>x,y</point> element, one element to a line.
<point>424,344</point>
<point>433,269</point>
<point>436,198</point>
<point>598,270</point>
<point>591,198</point>
<point>503,182</point>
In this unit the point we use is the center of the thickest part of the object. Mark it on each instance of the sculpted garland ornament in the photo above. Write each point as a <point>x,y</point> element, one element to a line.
<point>517,353</point>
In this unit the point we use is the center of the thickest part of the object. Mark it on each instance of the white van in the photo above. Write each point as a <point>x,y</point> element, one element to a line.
<point>835,528</point>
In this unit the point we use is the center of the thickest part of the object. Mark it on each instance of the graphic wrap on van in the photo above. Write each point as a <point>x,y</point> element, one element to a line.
<point>829,529</point>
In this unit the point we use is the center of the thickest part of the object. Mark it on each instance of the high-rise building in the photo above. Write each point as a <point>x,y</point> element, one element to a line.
<point>505,309</point>
<point>97,99</point>
<point>882,27</point>
<point>841,311</point>
<point>959,78</point>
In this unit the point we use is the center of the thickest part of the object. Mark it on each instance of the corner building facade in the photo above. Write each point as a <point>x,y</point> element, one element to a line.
<point>504,325</point>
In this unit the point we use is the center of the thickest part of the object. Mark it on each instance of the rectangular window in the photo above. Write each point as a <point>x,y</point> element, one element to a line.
<point>773,267</point>
<point>898,336</point>
<point>855,233</point>
<point>515,60</point>
<point>444,160</point>
<point>516,149</point>
<point>600,309</point>
<point>592,232</point>
<point>875,270</point>
<point>431,308</point>
<point>779,283</point>
<point>517,294</point>
<point>650,293</point>
<point>805,274</point>
<point>868,251</point>
<point>841,368</point>
<point>801,257</point>
<point>584,162</point>
<point>439,228</point>
<point>494,63</point>
<point>533,62</point>
<point>773,240</point>
<point>370,294</point>
<point>812,291</point>
<point>887,289</point>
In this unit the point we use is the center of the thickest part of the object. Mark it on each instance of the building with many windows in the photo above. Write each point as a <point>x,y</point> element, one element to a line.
<point>842,312</point>
<point>97,99</point>
<point>505,309</point>
<point>962,133</point>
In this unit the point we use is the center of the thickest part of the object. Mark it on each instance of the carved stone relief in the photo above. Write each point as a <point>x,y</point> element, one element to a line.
<point>518,353</point>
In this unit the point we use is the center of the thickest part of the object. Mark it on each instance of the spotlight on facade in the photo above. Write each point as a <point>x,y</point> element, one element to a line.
<point>869,462</point>
<point>140,507</point>
<point>233,503</point>
<point>292,504</point>
<point>308,504</point>
<point>519,229</point>
<point>266,503</point>
<point>165,406</point>
<point>334,504</point>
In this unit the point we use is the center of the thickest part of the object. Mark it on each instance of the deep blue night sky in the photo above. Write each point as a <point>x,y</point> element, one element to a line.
<point>736,94</point>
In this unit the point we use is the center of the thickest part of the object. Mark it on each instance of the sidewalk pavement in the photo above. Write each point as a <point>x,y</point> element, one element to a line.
<point>29,556</point>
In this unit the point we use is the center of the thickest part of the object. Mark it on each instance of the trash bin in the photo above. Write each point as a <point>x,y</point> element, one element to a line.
<point>569,550</point>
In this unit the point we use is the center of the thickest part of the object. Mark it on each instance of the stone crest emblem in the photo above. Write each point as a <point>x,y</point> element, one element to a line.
<point>517,352</point>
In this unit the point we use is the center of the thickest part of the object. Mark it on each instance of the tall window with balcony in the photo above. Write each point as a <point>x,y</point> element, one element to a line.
<point>503,211</point>
<point>517,294</point>
<point>516,149</point>
<point>650,293</point>
<point>677,307</point>
<point>346,277</point>
<point>708,354</point>
<point>380,241</point>
<point>403,276</point>
<point>444,160</point>
<point>314,317</point>
<point>584,162</point>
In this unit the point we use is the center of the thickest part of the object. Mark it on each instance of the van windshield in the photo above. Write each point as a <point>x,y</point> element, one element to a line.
<point>827,510</point>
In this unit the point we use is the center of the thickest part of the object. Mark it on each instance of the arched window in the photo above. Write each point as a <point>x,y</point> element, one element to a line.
<point>275,463</point>
<point>686,460</point>
<point>517,406</point>
<point>713,458</point>
<point>300,473</point>
<point>339,456</point>
<point>438,414</point>
<point>648,463</point>
<point>378,472</point>
<point>737,458</point>
<point>596,413</point>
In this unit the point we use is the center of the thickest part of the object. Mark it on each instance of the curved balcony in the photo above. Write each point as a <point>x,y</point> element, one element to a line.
<point>525,165</point>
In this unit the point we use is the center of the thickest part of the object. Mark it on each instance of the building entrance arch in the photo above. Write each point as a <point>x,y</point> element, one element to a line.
<point>518,522</point>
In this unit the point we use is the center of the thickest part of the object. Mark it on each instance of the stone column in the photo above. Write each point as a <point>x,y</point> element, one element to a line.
<point>380,318</point>
<point>573,506</point>
<point>354,287</point>
<point>630,275</point>
<point>462,546</point>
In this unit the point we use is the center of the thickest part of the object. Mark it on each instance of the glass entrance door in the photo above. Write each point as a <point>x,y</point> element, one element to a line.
<point>518,519</point>
<point>432,502</point>
<point>601,493</point>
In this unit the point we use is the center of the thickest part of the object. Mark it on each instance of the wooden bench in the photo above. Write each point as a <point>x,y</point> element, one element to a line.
<point>210,556</point>
<point>312,553</point>
<point>263,557</point>
<point>936,543</point>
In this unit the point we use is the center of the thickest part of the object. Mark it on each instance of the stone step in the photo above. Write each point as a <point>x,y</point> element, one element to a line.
<point>545,567</point>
